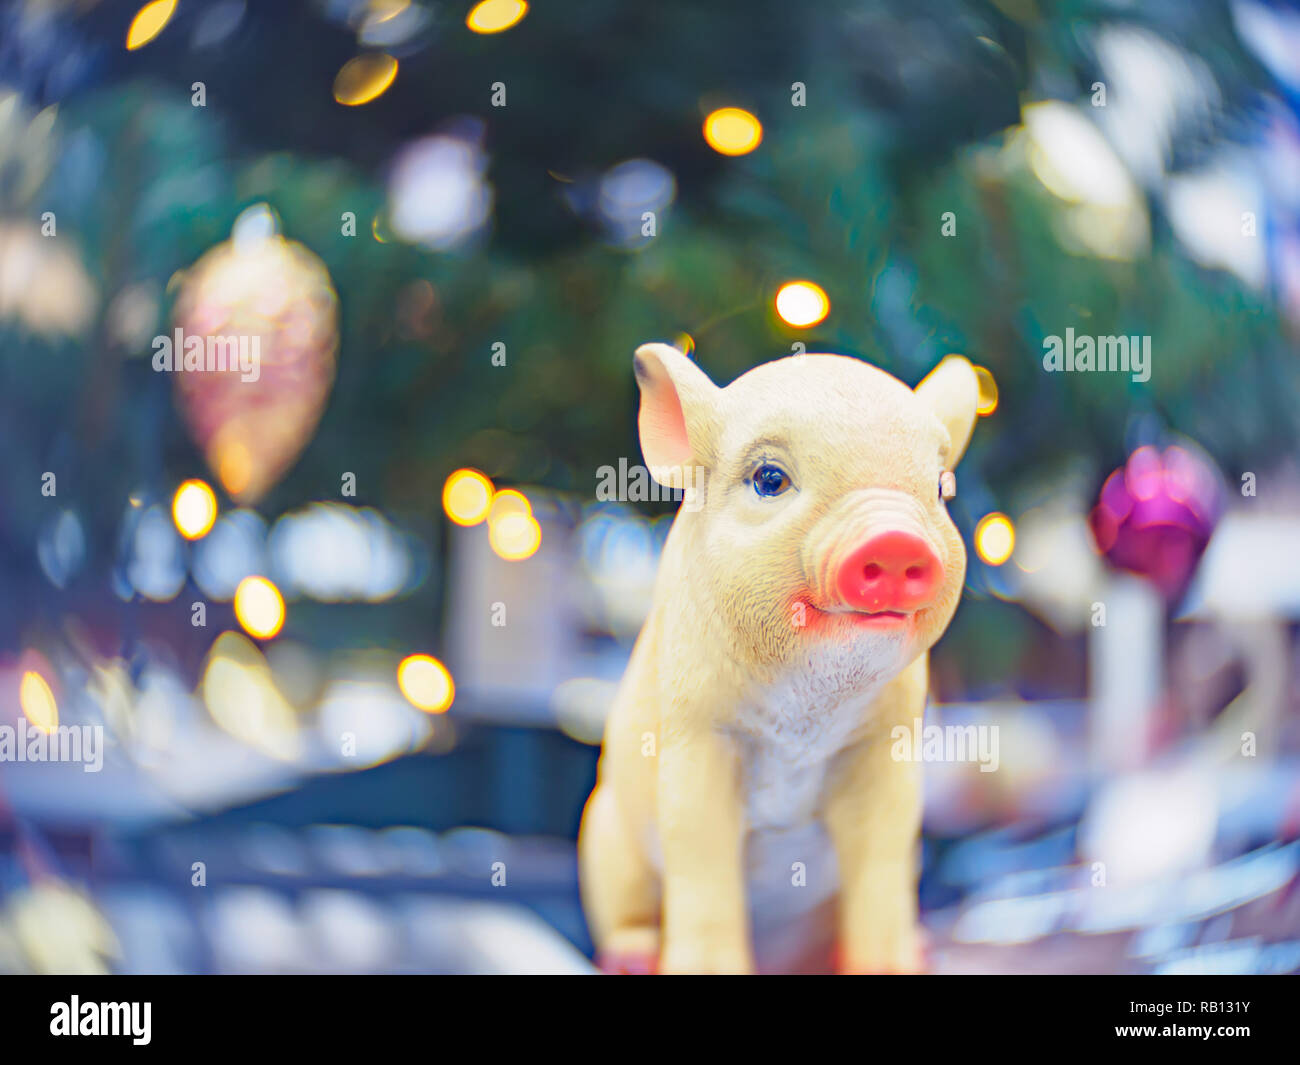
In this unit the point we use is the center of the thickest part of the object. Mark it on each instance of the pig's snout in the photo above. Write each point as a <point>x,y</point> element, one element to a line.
<point>892,571</point>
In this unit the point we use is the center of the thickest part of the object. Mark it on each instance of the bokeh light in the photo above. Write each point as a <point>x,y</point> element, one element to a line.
<point>733,131</point>
<point>628,195</point>
<point>426,683</point>
<point>802,304</point>
<point>234,467</point>
<point>495,16</point>
<point>37,701</point>
<point>259,607</point>
<point>515,536</point>
<point>438,194</point>
<point>506,502</point>
<point>466,497</point>
<point>194,509</point>
<point>241,695</point>
<point>995,538</point>
<point>149,21</point>
<point>364,78</point>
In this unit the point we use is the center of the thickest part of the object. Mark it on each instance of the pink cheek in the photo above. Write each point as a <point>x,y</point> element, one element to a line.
<point>805,619</point>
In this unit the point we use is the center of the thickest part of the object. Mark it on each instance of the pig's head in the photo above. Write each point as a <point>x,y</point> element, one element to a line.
<point>817,501</point>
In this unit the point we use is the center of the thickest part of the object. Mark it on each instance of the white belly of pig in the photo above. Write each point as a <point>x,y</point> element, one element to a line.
<point>787,749</point>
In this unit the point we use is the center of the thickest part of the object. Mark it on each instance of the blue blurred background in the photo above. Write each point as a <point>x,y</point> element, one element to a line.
<point>307,673</point>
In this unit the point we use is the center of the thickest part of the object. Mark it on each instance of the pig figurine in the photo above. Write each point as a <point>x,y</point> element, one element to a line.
<point>748,813</point>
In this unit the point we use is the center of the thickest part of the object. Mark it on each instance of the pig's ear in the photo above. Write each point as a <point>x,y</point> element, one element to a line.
<point>952,391</point>
<point>679,413</point>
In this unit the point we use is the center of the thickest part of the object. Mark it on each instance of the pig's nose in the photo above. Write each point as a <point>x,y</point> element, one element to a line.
<point>892,571</point>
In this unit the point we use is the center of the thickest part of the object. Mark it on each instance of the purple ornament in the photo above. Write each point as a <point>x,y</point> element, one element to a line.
<point>1156,514</point>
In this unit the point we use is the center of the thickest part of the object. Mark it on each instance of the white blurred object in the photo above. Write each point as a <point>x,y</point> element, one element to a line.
<point>620,551</point>
<point>349,932</point>
<point>59,930</point>
<point>512,628</point>
<point>156,568</point>
<point>1207,210</point>
<point>335,553</point>
<point>1249,582</point>
<point>1126,672</point>
<point>1273,34</point>
<point>253,930</point>
<point>364,720</point>
<point>1151,825</point>
<point>437,195</point>
<point>233,550</point>
<point>1152,88</point>
<point>1251,569</point>
<point>630,191</point>
<point>1058,573</point>
<point>43,284</point>
<point>61,547</point>
<point>1104,214</point>
<point>486,938</point>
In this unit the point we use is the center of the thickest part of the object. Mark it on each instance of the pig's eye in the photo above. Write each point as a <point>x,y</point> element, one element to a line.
<point>947,485</point>
<point>770,480</point>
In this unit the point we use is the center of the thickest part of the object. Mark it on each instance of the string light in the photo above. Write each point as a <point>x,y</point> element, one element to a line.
<point>259,606</point>
<point>802,304</point>
<point>495,16</point>
<point>733,131</point>
<point>506,502</point>
<point>515,536</point>
<point>995,538</point>
<point>426,683</point>
<point>364,78</point>
<point>149,21</point>
<point>37,701</point>
<point>194,509</point>
<point>466,497</point>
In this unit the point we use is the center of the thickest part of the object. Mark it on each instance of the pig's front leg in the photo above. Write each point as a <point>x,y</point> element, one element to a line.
<point>873,817</point>
<point>700,815</point>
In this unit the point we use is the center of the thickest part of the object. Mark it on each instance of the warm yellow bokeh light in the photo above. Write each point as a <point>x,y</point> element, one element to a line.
<point>259,607</point>
<point>466,496</point>
<point>426,683</point>
<point>239,690</point>
<point>802,304</point>
<point>493,16</point>
<point>37,700</point>
<point>381,11</point>
<point>515,536</point>
<point>363,78</point>
<point>234,465</point>
<point>508,501</point>
<point>988,391</point>
<point>732,131</point>
<point>995,538</point>
<point>194,509</point>
<point>149,21</point>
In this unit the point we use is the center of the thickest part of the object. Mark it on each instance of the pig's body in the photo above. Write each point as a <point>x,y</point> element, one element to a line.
<point>747,755</point>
